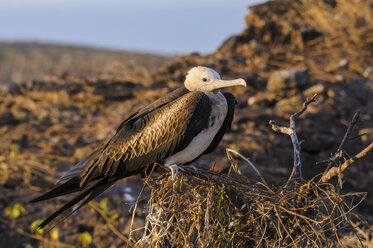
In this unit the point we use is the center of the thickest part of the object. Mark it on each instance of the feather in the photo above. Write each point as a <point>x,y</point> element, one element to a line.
<point>68,187</point>
<point>92,190</point>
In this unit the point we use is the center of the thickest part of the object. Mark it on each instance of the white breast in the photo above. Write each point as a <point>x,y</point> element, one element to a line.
<point>201,142</point>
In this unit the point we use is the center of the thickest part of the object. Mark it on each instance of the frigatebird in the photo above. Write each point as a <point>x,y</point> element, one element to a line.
<point>174,130</point>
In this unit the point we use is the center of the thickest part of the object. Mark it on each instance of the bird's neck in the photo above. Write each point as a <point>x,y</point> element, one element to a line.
<point>212,93</point>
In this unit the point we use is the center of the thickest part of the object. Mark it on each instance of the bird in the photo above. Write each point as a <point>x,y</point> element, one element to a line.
<point>174,130</point>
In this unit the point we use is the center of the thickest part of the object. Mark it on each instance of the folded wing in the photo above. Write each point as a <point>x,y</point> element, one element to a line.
<point>151,135</point>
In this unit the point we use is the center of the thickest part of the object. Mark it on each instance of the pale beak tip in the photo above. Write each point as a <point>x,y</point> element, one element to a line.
<point>242,82</point>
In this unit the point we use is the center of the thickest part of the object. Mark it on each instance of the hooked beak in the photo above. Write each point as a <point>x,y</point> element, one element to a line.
<point>218,84</point>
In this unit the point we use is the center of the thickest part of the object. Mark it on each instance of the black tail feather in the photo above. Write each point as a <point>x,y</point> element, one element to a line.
<point>68,187</point>
<point>92,190</point>
<point>97,191</point>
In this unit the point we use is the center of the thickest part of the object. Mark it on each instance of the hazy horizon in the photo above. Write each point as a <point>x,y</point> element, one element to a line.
<point>163,27</point>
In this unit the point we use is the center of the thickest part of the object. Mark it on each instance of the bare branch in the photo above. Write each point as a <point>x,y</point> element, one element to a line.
<point>297,170</point>
<point>280,129</point>
<point>337,170</point>
<point>308,101</point>
<point>340,153</point>
<point>349,129</point>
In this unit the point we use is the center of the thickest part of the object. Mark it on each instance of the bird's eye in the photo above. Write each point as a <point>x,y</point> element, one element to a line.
<point>204,79</point>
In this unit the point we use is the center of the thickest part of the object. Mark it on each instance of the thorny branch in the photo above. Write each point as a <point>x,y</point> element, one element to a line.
<point>297,170</point>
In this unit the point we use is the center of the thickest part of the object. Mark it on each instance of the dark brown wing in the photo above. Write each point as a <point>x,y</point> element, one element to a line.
<point>163,128</point>
<point>158,103</point>
<point>158,131</point>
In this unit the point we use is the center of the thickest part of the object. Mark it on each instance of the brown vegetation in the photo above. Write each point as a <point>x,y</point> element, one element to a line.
<point>206,209</point>
<point>289,51</point>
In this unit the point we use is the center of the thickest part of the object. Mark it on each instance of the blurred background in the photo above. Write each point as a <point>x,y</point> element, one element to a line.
<point>40,37</point>
<point>71,71</point>
<point>149,26</point>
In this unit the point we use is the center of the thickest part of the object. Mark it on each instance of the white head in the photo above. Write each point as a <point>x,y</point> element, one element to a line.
<point>205,79</point>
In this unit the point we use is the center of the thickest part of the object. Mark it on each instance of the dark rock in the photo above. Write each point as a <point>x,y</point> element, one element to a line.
<point>8,119</point>
<point>310,35</point>
<point>23,142</point>
<point>284,79</point>
<point>262,99</point>
<point>116,90</point>
<point>15,89</point>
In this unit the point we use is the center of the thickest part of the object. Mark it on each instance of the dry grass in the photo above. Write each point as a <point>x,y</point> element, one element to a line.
<point>202,208</point>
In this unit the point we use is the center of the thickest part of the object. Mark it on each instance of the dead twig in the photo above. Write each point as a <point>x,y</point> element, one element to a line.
<point>297,170</point>
<point>337,170</point>
<point>351,125</point>
<point>249,163</point>
<point>136,203</point>
<point>293,117</point>
<point>339,154</point>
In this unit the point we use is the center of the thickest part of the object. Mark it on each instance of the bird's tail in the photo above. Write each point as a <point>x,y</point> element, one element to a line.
<point>68,187</point>
<point>85,195</point>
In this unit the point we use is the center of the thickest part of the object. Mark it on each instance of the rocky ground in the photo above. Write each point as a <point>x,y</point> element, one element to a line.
<point>288,51</point>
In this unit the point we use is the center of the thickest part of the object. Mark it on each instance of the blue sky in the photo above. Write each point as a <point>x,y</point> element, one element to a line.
<point>162,26</point>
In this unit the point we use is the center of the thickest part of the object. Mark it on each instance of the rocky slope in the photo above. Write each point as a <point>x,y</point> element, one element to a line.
<point>289,50</point>
<point>27,61</point>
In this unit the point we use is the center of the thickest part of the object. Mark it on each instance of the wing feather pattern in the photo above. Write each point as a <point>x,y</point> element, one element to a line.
<point>161,129</point>
<point>158,131</point>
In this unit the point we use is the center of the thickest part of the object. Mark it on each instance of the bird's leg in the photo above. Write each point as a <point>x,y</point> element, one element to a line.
<point>174,170</point>
<point>193,167</point>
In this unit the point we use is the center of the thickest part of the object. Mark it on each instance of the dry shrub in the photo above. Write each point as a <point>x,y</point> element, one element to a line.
<point>202,208</point>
